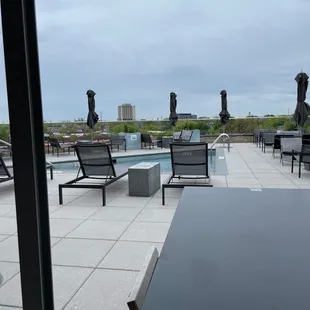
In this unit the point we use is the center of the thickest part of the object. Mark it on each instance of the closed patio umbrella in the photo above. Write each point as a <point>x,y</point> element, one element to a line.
<point>224,114</point>
<point>302,108</point>
<point>173,106</point>
<point>92,117</point>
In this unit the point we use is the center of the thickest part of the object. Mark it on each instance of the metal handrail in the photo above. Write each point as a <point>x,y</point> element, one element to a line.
<point>10,145</point>
<point>220,136</point>
<point>5,143</point>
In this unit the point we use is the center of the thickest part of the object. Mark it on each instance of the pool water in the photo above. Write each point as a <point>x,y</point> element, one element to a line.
<point>217,163</point>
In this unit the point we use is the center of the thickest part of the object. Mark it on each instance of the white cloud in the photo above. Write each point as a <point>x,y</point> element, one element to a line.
<point>138,51</point>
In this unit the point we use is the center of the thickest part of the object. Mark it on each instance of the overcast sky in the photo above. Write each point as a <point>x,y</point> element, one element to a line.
<point>138,51</point>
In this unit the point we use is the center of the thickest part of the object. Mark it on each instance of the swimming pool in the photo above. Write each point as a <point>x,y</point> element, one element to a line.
<point>217,162</point>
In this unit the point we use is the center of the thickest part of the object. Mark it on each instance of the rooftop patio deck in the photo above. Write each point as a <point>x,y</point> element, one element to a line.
<point>98,251</point>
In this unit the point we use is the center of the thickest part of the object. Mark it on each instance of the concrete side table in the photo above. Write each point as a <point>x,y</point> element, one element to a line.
<point>144,179</point>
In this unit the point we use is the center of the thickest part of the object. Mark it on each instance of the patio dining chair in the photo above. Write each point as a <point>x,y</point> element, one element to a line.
<point>262,134</point>
<point>96,164</point>
<point>302,157</point>
<point>288,145</point>
<point>277,142</point>
<point>189,161</point>
<point>256,135</point>
<point>139,291</point>
<point>267,140</point>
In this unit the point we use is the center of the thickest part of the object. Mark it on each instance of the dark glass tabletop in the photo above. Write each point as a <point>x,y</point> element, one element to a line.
<point>235,249</point>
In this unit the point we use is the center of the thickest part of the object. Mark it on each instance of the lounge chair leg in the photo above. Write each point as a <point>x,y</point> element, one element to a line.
<point>163,195</point>
<point>103,197</point>
<point>60,195</point>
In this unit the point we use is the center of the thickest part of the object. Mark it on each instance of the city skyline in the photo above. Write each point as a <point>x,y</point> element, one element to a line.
<point>194,49</point>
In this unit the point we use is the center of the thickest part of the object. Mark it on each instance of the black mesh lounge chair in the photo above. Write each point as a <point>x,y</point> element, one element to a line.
<point>117,140</point>
<point>95,163</point>
<point>146,140</point>
<point>186,135</point>
<point>303,156</point>
<point>177,136</point>
<point>188,161</point>
<point>5,174</point>
<point>288,145</point>
<point>267,140</point>
<point>55,144</point>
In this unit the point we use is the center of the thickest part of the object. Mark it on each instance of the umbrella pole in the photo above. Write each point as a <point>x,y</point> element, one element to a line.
<point>91,135</point>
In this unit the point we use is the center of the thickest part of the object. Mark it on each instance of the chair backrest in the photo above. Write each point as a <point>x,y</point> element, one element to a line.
<point>189,159</point>
<point>263,132</point>
<point>4,171</point>
<point>53,142</point>
<point>138,293</point>
<point>277,140</point>
<point>290,144</point>
<point>269,137</point>
<point>146,138</point>
<point>177,135</point>
<point>256,132</point>
<point>95,159</point>
<point>186,135</point>
<point>305,153</point>
<point>117,140</point>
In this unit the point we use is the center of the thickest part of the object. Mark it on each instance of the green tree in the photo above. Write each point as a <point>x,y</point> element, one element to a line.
<point>290,124</point>
<point>274,123</point>
<point>4,132</point>
<point>149,127</point>
<point>125,127</point>
<point>186,125</point>
<point>241,125</point>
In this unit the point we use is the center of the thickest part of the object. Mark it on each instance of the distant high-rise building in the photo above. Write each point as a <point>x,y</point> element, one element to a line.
<point>126,112</point>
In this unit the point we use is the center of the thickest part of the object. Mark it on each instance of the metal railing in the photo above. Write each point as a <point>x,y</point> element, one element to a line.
<point>10,145</point>
<point>222,135</point>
